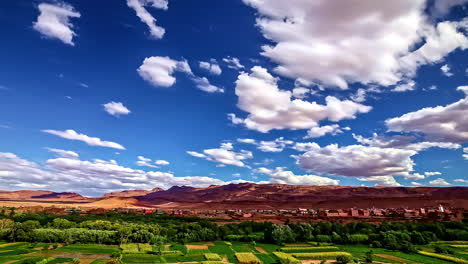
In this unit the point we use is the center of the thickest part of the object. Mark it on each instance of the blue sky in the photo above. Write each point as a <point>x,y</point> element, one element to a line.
<point>136,94</point>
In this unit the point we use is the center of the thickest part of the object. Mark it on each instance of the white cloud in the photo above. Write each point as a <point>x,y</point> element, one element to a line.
<point>224,155</point>
<point>465,150</point>
<point>359,96</point>
<point>234,119</point>
<point>402,142</point>
<point>301,92</point>
<point>439,182</point>
<point>405,86</point>
<point>116,108</point>
<point>145,162</point>
<point>441,123</point>
<point>272,108</point>
<point>279,175</point>
<point>93,177</point>
<point>446,70</point>
<point>461,181</point>
<point>276,145</point>
<point>233,63</point>
<point>92,141</point>
<point>416,183</point>
<point>381,180</point>
<point>64,153</point>
<point>338,42</point>
<point>212,67</point>
<point>139,6</point>
<point>53,21</point>
<point>204,84</point>
<point>158,70</point>
<point>316,132</point>
<point>236,175</point>
<point>162,162</point>
<point>357,160</point>
<point>305,146</point>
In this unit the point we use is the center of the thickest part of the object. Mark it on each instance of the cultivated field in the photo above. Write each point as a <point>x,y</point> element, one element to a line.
<point>221,252</point>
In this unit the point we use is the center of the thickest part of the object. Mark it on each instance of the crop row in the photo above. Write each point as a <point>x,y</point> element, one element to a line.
<point>320,255</point>
<point>285,258</point>
<point>307,249</point>
<point>247,258</point>
<point>443,257</point>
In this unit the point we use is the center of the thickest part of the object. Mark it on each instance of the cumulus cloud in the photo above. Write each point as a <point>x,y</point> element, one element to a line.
<point>446,70</point>
<point>224,155</point>
<point>156,31</point>
<point>212,67</point>
<point>439,182</point>
<point>272,108</point>
<point>381,180</point>
<point>92,141</point>
<point>54,21</point>
<point>461,181</point>
<point>93,177</point>
<point>465,150</point>
<point>64,153</point>
<point>276,145</point>
<point>441,123</point>
<point>116,108</point>
<point>316,132</point>
<point>282,176</point>
<point>338,42</point>
<point>405,86</point>
<point>233,63</point>
<point>158,71</point>
<point>402,142</point>
<point>357,160</point>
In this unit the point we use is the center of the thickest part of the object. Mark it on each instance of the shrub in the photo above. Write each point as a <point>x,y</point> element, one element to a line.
<point>44,261</point>
<point>286,258</point>
<point>247,258</point>
<point>344,259</point>
<point>443,257</point>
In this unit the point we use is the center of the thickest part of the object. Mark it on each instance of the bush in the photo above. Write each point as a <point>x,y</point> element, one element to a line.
<point>344,259</point>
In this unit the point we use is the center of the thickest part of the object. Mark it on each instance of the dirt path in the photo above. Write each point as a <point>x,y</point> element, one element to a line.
<point>261,250</point>
<point>387,256</point>
<point>9,262</point>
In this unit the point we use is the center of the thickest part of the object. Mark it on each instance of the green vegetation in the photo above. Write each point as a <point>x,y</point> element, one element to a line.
<point>308,249</point>
<point>247,258</point>
<point>212,256</point>
<point>444,257</point>
<point>285,258</point>
<point>320,255</point>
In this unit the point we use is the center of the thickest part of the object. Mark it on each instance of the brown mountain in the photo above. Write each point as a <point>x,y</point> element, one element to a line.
<point>250,195</point>
<point>21,195</point>
<point>69,196</point>
<point>131,193</point>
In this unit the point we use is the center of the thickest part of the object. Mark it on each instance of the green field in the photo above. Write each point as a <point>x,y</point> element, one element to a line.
<point>218,252</point>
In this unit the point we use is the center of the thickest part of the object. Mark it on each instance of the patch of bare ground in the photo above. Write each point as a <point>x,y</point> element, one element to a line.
<point>196,246</point>
<point>309,261</point>
<point>209,244</point>
<point>261,250</point>
<point>387,256</point>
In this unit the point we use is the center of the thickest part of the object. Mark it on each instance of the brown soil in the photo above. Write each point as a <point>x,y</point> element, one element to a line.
<point>86,261</point>
<point>9,262</point>
<point>261,250</point>
<point>209,244</point>
<point>316,261</point>
<point>387,256</point>
<point>196,246</point>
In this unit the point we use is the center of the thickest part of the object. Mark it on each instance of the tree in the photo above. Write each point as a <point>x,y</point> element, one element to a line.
<point>158,241</point>
<point>369,256</point>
